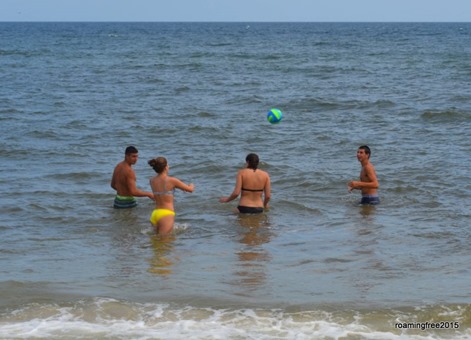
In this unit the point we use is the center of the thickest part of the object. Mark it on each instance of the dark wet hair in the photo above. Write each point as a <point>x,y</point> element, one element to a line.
<point>367,150</point>
<point>130,150</point>
<point>252,161</point>
<point>158,164</point>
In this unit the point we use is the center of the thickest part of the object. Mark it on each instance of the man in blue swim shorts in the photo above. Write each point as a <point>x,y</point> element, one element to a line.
<point>368,183</point>
<point>124,181</point>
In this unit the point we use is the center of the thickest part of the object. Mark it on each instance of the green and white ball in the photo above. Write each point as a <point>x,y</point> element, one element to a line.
<point>274,116</point>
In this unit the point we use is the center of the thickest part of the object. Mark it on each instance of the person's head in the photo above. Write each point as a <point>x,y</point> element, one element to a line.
<point>130,149</point>
<point>131,155</point>
<point>159,164</point>
<point>252,161</point>
<point>364,149</point>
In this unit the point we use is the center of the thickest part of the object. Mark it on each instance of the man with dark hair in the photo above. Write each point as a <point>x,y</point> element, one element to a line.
<point>130,150</point>
<point>368,183</point>
<point>124,181</point>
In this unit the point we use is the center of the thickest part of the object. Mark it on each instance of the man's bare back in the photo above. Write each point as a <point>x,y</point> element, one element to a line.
<point>124,181</point>
<point>123,177</point>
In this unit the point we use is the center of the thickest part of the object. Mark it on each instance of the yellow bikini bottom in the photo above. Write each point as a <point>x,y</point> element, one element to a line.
<point>157,214</point>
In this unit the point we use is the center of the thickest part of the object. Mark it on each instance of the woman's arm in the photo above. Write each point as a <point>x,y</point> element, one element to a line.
<point>182,186</point>
<point>267,193</point>
<point>236,191</point>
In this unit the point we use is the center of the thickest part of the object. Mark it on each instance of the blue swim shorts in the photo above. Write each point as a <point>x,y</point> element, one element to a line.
<point>370,199</point>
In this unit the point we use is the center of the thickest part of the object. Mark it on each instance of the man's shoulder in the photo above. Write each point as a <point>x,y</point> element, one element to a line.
<point>369,168</point>
<point>125,167</point>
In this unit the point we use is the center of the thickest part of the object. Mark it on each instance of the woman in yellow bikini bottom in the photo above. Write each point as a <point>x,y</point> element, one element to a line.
<point>157,214</point>
<point>163,187</point>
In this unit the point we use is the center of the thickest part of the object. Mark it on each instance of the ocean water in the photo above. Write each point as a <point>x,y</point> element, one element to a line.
<point>316,265</point>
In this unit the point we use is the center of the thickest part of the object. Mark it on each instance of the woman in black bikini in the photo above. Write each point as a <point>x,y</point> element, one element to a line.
<point>251,185</point>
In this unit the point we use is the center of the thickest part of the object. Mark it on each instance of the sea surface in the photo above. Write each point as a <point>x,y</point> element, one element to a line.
<point>317,265</point>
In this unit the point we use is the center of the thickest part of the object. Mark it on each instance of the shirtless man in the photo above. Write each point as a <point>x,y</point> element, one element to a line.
<point>124,181</point>
<point>368,183</point>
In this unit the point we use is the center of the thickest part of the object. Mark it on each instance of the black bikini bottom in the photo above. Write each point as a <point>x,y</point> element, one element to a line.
<point>249,210</point>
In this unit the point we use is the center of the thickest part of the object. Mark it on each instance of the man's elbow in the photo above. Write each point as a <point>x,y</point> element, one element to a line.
<point>137,193</point>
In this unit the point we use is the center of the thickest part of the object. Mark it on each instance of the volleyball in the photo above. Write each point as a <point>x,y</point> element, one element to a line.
<point>274,116</point>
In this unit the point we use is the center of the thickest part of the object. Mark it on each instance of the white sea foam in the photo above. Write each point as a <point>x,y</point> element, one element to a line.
<point>113,319</point>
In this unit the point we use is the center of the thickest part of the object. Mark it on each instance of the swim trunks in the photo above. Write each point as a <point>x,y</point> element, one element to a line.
<point>123,202</point>
<point>249,210</point>
<point>370,199</point>
<point>157,214</point>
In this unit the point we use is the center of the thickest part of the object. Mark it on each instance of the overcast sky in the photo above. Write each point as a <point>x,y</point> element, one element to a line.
<point>236,10</point>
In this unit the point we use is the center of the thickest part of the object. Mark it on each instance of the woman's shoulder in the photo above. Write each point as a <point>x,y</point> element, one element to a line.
<point>173,180</point>
<point>263,172</point>
<point>242,171</point>
<point>253,174</point>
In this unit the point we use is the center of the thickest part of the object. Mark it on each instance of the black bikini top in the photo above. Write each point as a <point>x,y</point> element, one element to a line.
<point>253,190</point>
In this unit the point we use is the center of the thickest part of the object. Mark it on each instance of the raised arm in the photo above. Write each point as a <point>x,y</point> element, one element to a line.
<point>182,186</point>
